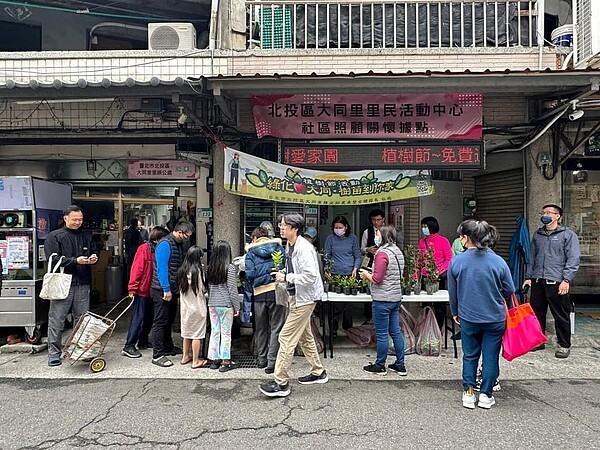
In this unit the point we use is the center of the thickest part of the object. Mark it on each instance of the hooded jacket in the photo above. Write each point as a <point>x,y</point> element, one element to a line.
<point>259,264</point>
<point>554,256</point>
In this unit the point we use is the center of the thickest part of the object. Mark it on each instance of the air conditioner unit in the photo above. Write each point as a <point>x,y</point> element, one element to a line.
<point>171,36</point>
<point>586,40</point>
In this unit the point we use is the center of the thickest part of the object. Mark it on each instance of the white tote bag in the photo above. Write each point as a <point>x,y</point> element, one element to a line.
<point>56,283</point>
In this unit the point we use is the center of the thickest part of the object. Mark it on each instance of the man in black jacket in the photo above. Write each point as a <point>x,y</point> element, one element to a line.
<point>77,248</point>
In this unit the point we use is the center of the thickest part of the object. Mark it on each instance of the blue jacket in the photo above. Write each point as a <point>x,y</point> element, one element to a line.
<point>478,283</point>
<point>259,263</point>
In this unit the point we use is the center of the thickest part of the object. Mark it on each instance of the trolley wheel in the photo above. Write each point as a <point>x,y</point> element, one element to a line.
<point>97,365</point>
<point>35,337</point>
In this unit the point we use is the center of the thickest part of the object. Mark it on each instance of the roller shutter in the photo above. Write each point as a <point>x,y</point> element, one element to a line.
<point>255,211</point>
<point>500,199</point>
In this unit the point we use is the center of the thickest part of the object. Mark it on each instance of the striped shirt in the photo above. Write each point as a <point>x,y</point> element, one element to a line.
<point>225,294</point>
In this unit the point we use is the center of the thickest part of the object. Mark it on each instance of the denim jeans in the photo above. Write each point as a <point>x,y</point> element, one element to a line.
<point>485,340</point>
<point>141,321</point>
<point>386,317</point>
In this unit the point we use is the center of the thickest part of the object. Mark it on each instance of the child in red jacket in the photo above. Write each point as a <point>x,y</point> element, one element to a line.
<point>140,279</point>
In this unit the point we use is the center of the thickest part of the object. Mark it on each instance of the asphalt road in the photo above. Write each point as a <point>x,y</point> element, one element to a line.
<point>232,414</point>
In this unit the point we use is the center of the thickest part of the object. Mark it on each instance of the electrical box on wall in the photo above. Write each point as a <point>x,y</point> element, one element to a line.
<point>469,206</point>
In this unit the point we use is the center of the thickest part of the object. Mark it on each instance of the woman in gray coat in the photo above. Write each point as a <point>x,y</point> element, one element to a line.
<point>386,293</point>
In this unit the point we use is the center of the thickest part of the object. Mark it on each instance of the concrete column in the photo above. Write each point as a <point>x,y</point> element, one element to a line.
<point>202,201</point>
<point>226,206</point>
<point>539,190</point>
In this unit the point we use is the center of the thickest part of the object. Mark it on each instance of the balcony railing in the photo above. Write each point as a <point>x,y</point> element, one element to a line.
<point>296,24</point>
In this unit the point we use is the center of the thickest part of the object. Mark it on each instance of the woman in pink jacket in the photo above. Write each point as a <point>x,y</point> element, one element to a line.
<point>138,287</point>
<point>442,253</point>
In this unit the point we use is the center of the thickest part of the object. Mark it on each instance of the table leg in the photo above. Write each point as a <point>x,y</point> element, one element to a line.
<point>322,323</point>
<point>454,337</point>
<point>330,319</point>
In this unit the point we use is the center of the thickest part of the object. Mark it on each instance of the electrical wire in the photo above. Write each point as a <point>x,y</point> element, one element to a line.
<point>90,13</point>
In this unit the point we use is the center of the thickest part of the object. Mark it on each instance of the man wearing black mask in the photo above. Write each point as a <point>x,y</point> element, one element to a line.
<point>168,257</point>
<point>553,264</point>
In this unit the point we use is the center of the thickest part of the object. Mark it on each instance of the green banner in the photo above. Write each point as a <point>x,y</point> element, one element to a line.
<point>251,176</point>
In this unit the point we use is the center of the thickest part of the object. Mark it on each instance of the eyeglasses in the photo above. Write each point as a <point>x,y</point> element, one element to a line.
<point>283,225</point>
<point>186,235</point>
<point>376,219</point>
<point>543,213</point>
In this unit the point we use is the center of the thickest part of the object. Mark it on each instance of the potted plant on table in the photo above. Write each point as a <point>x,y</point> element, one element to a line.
<point>327,266</point>
<point>411,280</point>
<point>346,285</point>
<point>336,281</point>
<point>353,284</point>
<point>432,276</point>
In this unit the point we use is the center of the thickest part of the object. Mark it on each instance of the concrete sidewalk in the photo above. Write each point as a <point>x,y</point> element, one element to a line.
<point>26,361</point>
<point>584,363</point>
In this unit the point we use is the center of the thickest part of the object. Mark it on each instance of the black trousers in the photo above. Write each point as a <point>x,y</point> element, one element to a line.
<point>164,316</point>
<point>544,295</point>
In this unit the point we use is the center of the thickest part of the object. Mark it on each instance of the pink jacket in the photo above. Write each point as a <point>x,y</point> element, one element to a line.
<point>442,251</point>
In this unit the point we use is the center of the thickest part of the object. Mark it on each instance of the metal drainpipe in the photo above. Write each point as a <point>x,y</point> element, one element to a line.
<point>214,12</point>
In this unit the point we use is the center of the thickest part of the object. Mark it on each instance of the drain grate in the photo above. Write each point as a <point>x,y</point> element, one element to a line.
<point>244,361</point>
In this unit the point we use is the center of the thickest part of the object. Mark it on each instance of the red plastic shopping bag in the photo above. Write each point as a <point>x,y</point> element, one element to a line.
<point>523,331</point>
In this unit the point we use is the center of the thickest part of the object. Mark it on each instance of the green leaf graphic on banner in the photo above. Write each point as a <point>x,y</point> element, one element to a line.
<point>401,182</point>
<point>263,176</point>
<point>255,180</point>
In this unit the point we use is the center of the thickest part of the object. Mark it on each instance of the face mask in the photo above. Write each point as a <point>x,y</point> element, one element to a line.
<point>546,220</point>
<point>340,231</point>
<point>425,231</point>
<point>377,241</point>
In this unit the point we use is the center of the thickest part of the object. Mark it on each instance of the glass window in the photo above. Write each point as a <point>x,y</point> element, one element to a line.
<point>581,205</point>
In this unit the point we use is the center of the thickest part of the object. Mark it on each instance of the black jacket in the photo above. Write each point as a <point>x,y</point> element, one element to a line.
<point>72,244</point>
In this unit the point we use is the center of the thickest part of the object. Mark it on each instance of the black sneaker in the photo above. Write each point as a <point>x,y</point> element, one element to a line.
<point>215,364</point>
<point>145,345</point>
<point>131,352</point>
<point>314,379</point>
<point>262,365</point>
<point>269,370</point>
<point>374,368</point>
<point>272,389</point>
<point>400,370</point>
<point>539,347</point>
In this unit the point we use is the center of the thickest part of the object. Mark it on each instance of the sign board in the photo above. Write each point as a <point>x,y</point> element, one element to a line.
<point>369,116</point>
<point>161,169</point>
<point>252,176</point>
<point>592,145</point>
<point>417,156</point>
<point>204,213</point>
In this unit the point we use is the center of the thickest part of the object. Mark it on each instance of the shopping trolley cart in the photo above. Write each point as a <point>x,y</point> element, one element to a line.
<point>90,336</point>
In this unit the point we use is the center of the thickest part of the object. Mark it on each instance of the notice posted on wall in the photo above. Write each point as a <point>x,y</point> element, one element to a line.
<point>16,193</point>
<point>17,252</point>
<point>3,245</point>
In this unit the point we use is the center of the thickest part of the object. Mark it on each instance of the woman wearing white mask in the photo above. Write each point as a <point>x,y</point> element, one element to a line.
<point>342,248</point>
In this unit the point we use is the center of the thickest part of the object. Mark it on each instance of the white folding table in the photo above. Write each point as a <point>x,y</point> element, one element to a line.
<point>331,297</point>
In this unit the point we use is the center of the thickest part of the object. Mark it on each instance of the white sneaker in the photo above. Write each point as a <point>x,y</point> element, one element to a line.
<point>485,401</point>
<point>468,398</point>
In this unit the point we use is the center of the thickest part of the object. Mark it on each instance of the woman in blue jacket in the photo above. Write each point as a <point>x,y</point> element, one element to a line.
<point>269,317</point>
<point>478,282</point>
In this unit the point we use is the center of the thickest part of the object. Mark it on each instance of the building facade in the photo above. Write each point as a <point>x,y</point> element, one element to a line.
<point>134,91</point>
